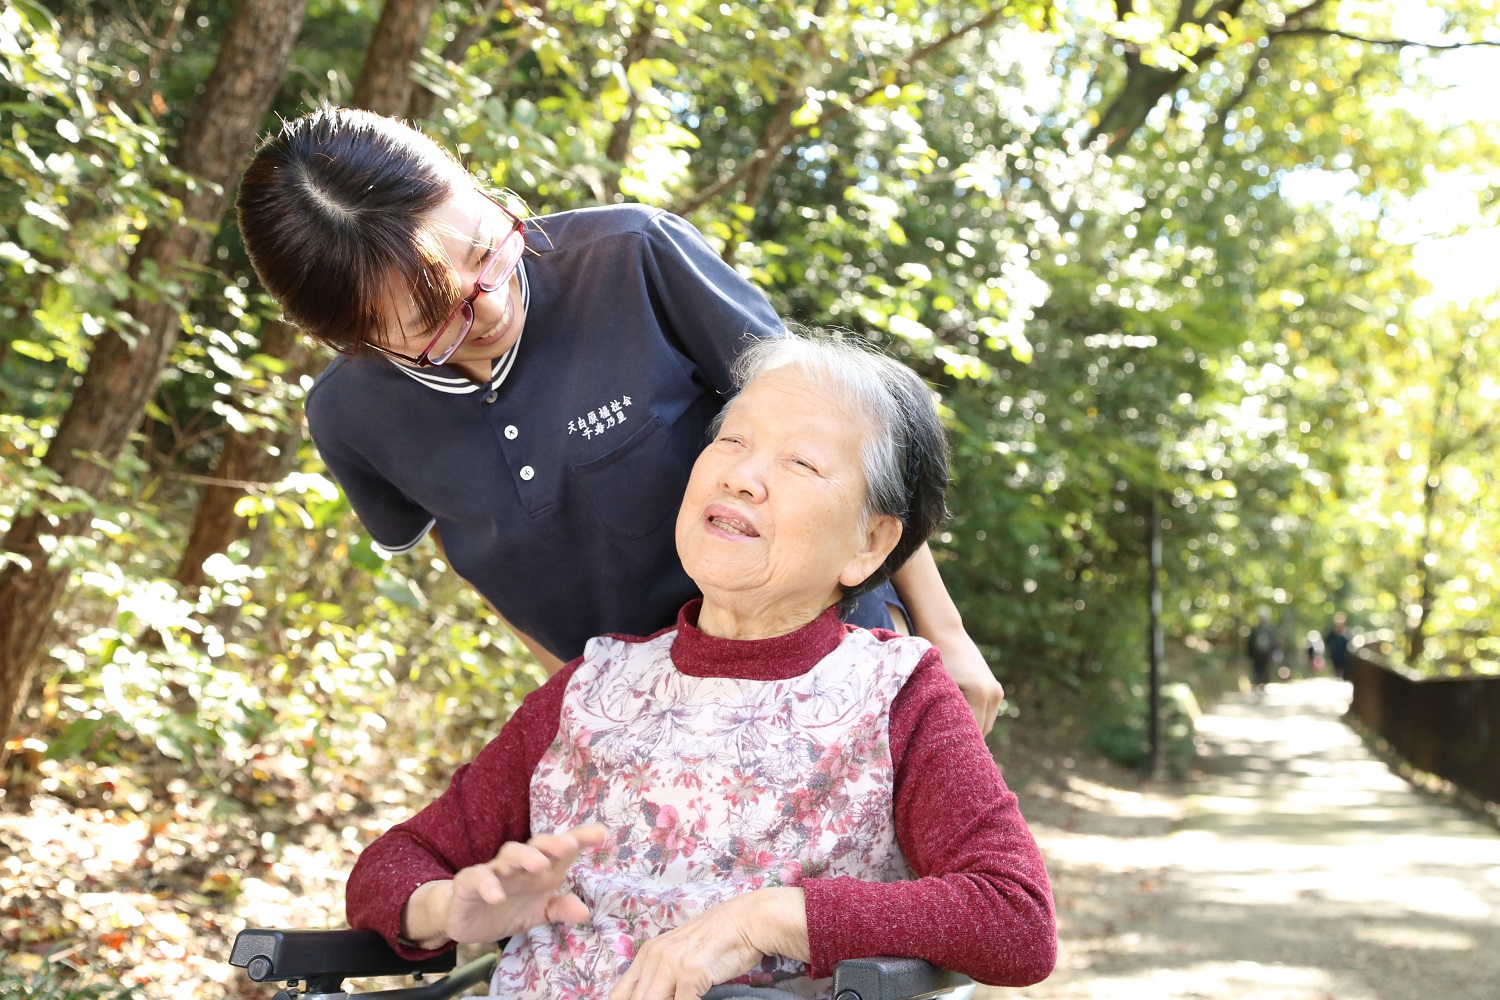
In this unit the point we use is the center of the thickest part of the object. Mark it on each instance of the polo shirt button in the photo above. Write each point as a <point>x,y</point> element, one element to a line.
<point>492,396</point>
<point>511,432</point>
<point>527,472</point>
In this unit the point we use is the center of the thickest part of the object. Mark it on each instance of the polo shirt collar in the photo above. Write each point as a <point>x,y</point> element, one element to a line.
<point>436,377</point>
<point>698,654</point>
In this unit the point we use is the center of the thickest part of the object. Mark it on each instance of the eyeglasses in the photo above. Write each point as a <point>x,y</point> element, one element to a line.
<point>495,273</point>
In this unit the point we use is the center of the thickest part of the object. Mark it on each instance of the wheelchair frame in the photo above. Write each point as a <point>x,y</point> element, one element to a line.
<point>323,959</point>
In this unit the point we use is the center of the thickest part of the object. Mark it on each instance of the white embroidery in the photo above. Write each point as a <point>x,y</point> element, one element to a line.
<point>596,421</point>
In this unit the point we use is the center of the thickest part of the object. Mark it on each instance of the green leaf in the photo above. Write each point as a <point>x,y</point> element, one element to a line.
<point>75,738</point>
<point>32,350</point>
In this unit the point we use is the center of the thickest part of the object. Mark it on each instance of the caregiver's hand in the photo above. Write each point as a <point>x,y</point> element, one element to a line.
<point>965,664</point>
<point>515,891</point>
<point>721,943</point>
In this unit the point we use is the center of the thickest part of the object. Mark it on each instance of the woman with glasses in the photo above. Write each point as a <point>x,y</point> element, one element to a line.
<point>532,391</point>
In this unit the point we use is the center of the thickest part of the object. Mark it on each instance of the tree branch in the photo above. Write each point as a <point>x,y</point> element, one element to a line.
<point>1145,86</point>
<point>1399,43</point>
<point>728,181</point>
<point>1302,13</point>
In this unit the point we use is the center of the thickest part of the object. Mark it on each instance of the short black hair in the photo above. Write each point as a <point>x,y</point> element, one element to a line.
<point>333,209</point>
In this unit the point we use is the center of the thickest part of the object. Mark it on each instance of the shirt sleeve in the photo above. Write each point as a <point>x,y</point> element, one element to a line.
<point>487,804</point>
<point>394,521</point>
<point>714,312</point>
<point>981,903</point>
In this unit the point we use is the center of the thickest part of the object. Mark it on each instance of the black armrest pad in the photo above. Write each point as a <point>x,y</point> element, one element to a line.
<point>892,979</point>
<point>282,956</point>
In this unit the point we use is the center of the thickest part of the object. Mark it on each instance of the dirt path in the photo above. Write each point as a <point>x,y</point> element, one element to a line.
<point>1295,867</point>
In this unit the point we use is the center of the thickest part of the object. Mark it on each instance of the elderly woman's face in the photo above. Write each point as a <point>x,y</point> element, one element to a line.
<point>773,507</point>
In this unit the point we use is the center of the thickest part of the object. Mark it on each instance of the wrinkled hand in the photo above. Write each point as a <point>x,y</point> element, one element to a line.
<point>514,892</point>
<point>966,666</point>
<point>723,942</point>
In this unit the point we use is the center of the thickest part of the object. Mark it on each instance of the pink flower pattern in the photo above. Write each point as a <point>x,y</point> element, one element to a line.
<point>710,787</point>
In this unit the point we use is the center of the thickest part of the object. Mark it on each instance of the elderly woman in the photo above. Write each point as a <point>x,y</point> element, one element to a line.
<point>760,791</point>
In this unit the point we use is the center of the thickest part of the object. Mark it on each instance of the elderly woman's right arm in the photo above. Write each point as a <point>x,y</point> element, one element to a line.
<point>981,903</point>
<point>487,806</point>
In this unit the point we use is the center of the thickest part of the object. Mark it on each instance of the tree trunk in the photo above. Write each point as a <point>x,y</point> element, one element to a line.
<point>260,458</point>
<point>1416,636</point>
<point>471,30</point>
<point>1142,91</point>
<point>248,461</point>
<point>385,83</point>
<point>638,47</point>
<point>122,374</point>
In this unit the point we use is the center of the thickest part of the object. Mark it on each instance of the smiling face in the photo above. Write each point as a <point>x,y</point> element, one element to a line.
<point>772,521</point>
<point>471,229</point>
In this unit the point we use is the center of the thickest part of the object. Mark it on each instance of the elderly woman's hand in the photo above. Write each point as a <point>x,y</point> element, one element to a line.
<point>515,891</point>
<point>721,943</point>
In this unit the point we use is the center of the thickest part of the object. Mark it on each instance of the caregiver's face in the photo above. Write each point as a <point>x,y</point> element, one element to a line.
<point>773,508</point>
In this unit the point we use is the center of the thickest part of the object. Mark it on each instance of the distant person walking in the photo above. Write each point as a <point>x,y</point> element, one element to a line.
<point>1314,653</point>
<point>1336,647</point>
<point>1261,647</point>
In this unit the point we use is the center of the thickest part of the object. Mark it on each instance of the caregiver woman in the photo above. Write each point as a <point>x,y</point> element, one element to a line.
<point>533,392</point>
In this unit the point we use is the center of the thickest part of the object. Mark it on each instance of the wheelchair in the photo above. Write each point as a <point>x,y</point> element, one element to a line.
<point>313,964</point>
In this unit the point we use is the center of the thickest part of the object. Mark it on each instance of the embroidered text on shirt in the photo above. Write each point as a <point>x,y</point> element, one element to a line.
<point>597,421</point>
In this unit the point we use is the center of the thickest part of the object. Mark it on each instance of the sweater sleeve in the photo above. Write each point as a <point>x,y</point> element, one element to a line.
<point>981,903</point>
<point>487,804</point>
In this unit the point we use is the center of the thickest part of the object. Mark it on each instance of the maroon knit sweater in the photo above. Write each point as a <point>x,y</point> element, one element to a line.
<point>980,904</point>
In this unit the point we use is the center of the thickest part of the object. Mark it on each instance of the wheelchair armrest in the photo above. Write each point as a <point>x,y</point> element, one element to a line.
<point>885,978</point>
<point>285,956</point>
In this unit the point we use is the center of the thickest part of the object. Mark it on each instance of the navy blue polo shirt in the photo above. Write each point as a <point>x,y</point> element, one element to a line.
<point>555,483</point>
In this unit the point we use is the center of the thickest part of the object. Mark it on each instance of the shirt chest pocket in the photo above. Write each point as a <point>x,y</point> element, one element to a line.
<point>635,488</point>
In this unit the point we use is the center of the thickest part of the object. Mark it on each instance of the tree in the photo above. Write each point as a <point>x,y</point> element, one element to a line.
<point>385,83</point>
<point>254,458</point>
<point>126,361</point>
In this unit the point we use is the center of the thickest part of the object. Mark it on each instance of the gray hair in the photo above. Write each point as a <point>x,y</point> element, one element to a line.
<point>904,453</point>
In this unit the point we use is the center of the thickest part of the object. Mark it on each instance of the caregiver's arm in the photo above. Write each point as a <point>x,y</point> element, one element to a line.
<point>981,903</point>
<point>935,618</point>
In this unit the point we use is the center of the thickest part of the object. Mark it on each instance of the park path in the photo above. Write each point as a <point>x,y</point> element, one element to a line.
<point>1293,866</point>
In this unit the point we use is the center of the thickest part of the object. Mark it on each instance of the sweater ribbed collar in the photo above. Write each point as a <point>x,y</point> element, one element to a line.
<point>698,654</point>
